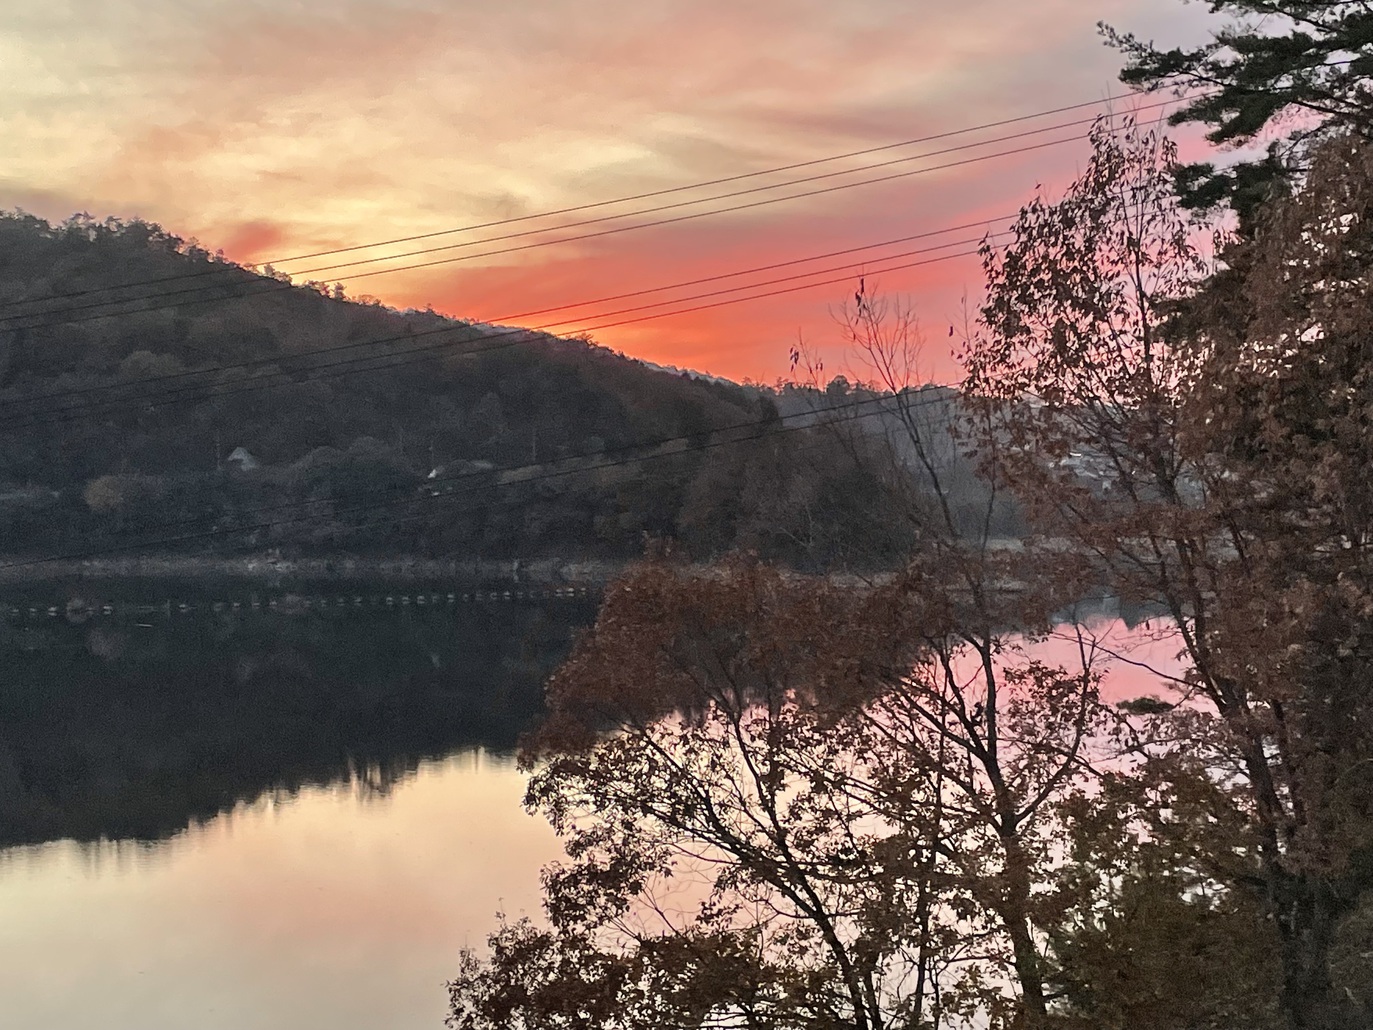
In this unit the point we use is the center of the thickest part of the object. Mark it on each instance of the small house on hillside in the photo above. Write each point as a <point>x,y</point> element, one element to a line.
<point>241,459</point>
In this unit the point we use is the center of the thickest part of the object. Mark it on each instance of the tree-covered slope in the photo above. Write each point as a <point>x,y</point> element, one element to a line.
<point>134,366</point>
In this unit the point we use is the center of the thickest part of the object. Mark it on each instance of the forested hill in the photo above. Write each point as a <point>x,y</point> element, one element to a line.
<point>151,390</point>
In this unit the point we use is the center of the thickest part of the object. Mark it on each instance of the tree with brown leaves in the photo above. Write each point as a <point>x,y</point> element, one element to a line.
<point>785,801</point>
<point>1208,447</point>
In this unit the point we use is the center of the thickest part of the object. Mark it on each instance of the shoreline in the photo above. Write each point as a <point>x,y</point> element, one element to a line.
<point>271,570</point>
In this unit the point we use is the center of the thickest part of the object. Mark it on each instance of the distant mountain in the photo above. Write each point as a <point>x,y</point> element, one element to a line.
<point>153,393</point>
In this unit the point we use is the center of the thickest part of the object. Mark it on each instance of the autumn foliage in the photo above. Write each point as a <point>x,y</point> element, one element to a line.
<point>811,802</point>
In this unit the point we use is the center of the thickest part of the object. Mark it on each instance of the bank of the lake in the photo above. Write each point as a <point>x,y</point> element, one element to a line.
<point>272,569</point>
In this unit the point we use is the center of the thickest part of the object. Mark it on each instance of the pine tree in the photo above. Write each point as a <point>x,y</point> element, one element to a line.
<point>1299,65</point>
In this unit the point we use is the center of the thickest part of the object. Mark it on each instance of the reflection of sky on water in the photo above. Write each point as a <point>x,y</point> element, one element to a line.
<point>1134,657</point>
<point>1133,660</point>
<point>341,907</point>
<point>335,910</point>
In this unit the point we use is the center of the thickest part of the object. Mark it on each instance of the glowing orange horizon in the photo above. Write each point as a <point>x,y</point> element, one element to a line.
<point>737,330</point>
<point>265,130</point>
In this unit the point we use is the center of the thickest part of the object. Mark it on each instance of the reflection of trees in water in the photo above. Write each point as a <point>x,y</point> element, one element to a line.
<point>119,731</point>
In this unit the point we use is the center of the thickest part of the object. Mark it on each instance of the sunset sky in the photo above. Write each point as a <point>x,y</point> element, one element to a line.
<point>278,129</point>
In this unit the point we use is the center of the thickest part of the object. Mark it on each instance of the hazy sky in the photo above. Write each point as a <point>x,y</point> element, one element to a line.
<point>276,129</point>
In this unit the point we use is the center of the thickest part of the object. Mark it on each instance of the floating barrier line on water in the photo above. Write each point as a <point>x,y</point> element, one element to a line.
<point>80,610</point>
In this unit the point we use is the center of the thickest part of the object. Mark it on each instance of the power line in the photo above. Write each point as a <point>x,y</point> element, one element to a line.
<point>722,181</point>
<point>600,204</point>
<point>354,366</point>
<point>460,327</point>
<point>356,345</point>
<point>193,393</point>
<point>25,420</point>
<point>547,473</point>
<point>200,391</point>
<point>272,286</point>
<point>983,223</point>
<point>784,279</point>
<point>723,196</point>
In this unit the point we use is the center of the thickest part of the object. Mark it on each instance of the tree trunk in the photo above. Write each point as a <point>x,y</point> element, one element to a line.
<point>1016,916</point>
<point>1027,971</point>
<point>1307,912</point>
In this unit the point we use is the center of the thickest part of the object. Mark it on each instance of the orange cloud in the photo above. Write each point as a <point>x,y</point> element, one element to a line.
<point>271,129</point>
<point>253,242</point>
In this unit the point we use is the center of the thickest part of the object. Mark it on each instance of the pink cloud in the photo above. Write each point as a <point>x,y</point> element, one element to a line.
<point>275,129</point>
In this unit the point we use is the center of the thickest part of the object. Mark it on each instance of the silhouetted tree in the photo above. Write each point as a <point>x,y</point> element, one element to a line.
<point>1304,65</point>
<point>1203,447</point>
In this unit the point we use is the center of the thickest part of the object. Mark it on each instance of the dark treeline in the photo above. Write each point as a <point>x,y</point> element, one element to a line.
<point>118,731</point>
<point>343,462</point>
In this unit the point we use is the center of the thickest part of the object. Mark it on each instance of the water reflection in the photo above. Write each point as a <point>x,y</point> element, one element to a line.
<point>285,823</point>
<point>1136,651</point>
<point>116,730</point>
<point>332,908</point>
<point>252,818</point>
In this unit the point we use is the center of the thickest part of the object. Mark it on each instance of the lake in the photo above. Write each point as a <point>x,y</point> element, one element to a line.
<point>220,812</point>
<point>241,808</point>
<point>337,908</point>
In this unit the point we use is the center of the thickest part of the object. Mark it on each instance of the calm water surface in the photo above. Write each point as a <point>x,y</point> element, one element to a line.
<point>244,819</point>
<point>288,816</point>
<point>337,908</point>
